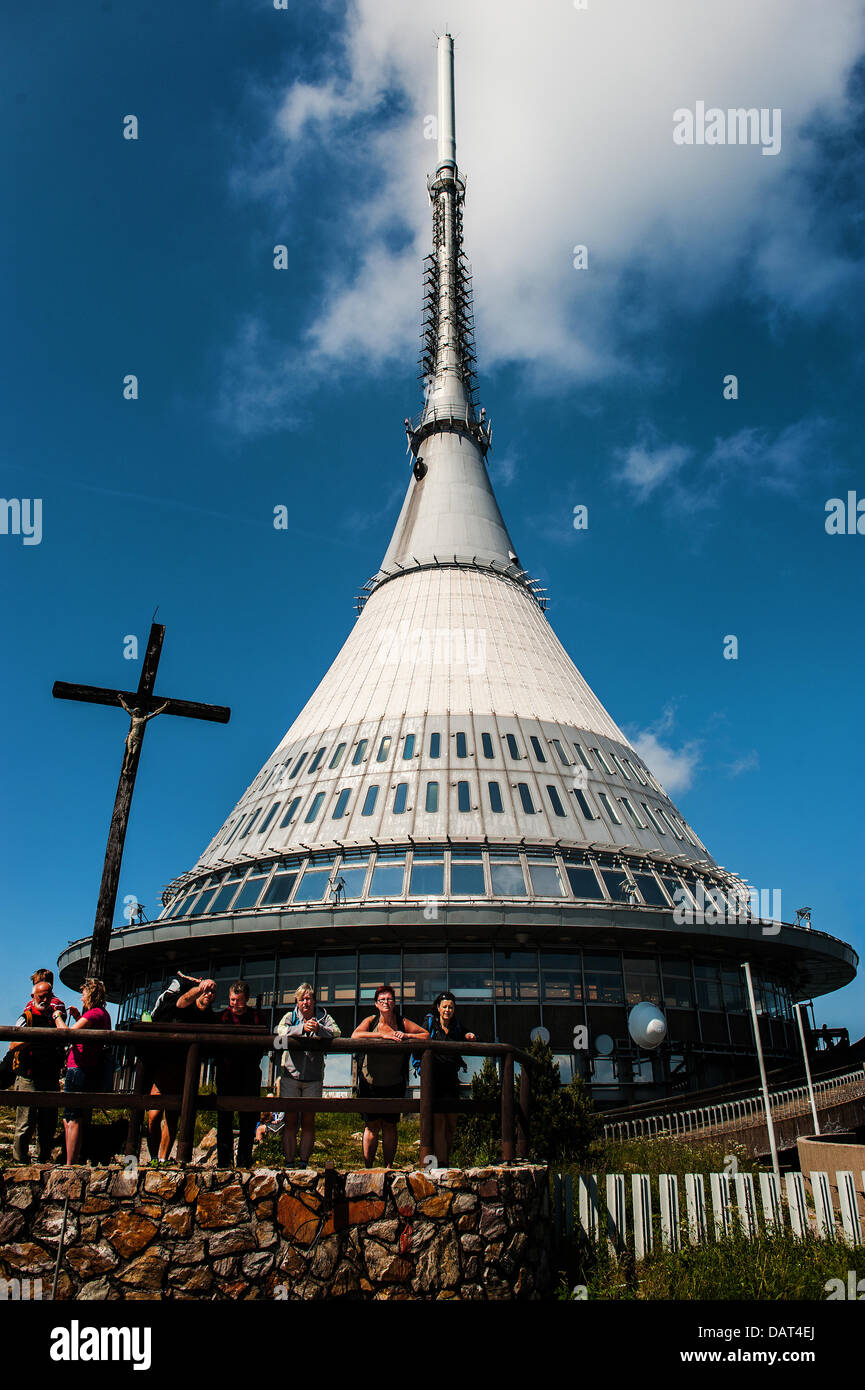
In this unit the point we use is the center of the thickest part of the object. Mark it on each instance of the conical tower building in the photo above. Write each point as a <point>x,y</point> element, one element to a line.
<point>454,807</point>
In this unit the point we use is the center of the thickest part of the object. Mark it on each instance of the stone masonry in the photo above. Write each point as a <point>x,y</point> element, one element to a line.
<point>478,1233</point>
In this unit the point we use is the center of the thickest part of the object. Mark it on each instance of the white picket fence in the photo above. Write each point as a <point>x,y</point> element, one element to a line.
<point>733,1114</point>
<point>732,1204</point>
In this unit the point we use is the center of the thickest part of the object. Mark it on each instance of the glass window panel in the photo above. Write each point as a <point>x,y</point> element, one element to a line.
<point>584,882</point>
<point>561,977</point>
<point>354,877</point>
<point>507,878</point>
<point>464,798</point>
<point>377,968</point>
<point>583,803</point>
<point>268,818</point>
<point>620,767</point>
<point>641,980</point>
<point>399,799</point>
<point>424,976</point>
<point>583,756</point>
<point>513,747</point>
<point>387,879</point>
<point>280,889</point>
<point>734,991</point>
<point>556,801</point>
<point>637,773</point>
<point>470,974</point>
<point>315,807</point>
<point>432,796</point>
<point>516,976</point>
<point>339,809</point>
<point>467,878</point>
<point>408,746</point>
<point>617,884</point>
<point>312,886</point>
<point>678,993</point>
<point>651,890</point>
<point>250,823</point>
<point>290,811</point>
<point>427,878</point>
<point>462,746</point>
<point>337,755</point>
<point>605,802</point>
<point>560,752</point>
<point>602,762</point>
<point>383,749</point>
<point>298,765</point>
<point>632,813</point>
<point>495,792</point>
<point>360,752</point>
<point>487,745</point>
<point>196,909</point>
<point>369,801</point>
<point>250,892</point>
<point>603,979</point>
<point>648,810</point>
<point>435,745</point>
<point>546,880</point>
<point>336,979</point>
<point>538,750</point>
<point>708,986</point>
<point>526,798</point>
<point>316,762</point>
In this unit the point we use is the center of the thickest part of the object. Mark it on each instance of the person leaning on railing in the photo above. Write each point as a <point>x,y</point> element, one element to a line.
<point>85,1062</point>
<point>185,1000</point>
<point>384,1074</point>
<point>444,1026</point>
<point>37,1069</point>
<point>238,1073</point>
<point>303,1072</point>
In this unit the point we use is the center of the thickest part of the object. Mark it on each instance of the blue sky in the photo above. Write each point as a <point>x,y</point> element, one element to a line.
<point>258,387</point>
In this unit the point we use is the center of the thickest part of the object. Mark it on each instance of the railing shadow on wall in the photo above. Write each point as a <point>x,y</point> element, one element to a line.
<point>202,1042</point>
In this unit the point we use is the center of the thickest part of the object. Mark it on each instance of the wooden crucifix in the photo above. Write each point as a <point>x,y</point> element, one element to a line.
<point>141,705</point>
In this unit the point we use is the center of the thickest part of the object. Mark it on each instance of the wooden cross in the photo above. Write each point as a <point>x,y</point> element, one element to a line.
<point>141,705</point>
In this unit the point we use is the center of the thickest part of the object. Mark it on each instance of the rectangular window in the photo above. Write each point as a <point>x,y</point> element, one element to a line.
<point>560,752</point>
<point>641,980</point>
<point>513,747</point>
<point>462,746</point>
<point>538,750</point>
<point>315,807</point>
<point>223,896</point>
<point>312,886</point>
<point>526,798</point>
<point>602,761</point>
<point>648,810</point>
<point>507,878</point>
<point>360,752</point>
<point>546,880</point>
<point>369,801</point>
<point>316,762</point>
<point>387,877</point>
<point>337,755</point>
<point>651,890</point>
<point>467,874</point>
<point>516,977</point>
<point>603,979</point>
<point>678,993</point>
<point>432,796</point>
<point>427,876</point>
<point>561,977</point>
<point>618,883</point>
<point>487,745</point>
<point>620,767</point>
<point>583,803</point>
<point>605,802</point>
<point>632,813</point>
<point>339,809</point>
<point>495,792</point>
<point>637,772</point>
<point>408,746</point>
<point>280,889</point>
<point>464,796</point>
<point>295,771</point>
<point>383,749</point>
<point>399,798</point>
<point>708,987</point>
<point>250,892</point>
<point>671,829</point>
<point>352,871</point>
<point>581,754</point>
<point>290,812</point>
<point>435,745</point>
<point>584,883</point>
<point>251,822</point>
<point>556,801</point>
<point>268,818</point>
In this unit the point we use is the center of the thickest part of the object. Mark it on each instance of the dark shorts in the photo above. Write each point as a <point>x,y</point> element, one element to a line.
<point>446,1080</point>
<point>81,1079</point>
<point>394,1092</point>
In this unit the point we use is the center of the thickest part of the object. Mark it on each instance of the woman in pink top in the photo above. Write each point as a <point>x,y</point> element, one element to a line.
<point>85,1063</point>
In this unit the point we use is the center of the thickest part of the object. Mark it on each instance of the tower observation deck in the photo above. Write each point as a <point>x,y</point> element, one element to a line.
<point>454,807</point>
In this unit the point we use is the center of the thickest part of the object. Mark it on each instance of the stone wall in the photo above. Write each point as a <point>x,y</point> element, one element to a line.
<point>479,1233</point>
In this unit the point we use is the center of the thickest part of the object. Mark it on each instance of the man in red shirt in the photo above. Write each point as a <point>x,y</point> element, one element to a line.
<point>37,1069</point>
<point>238,1073</point>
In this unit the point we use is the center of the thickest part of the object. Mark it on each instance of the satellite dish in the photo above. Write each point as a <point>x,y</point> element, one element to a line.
<point>604,1044</point>
<point>647,1025</point>
<point>540,1033</point>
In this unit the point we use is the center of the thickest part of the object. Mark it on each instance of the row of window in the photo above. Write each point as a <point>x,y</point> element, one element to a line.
<point>359,754</point>
<point>394,873</point>
<point>663,822</point>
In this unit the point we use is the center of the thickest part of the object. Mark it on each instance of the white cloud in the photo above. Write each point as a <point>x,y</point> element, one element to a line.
<point>564,127</point>
<point>673,767</point>
<point>645,468</point>
<point>748,762</point>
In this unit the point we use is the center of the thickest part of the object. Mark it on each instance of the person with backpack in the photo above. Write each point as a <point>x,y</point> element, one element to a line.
<point>85,1063</point>
<point>384,1074</point>
<point>444,1026</point>
<point>303,1072</point>
<point>37,1069</point>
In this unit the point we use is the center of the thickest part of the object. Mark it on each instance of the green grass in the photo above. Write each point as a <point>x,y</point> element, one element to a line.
<point>771,1266</point>
<point>653,1156</point>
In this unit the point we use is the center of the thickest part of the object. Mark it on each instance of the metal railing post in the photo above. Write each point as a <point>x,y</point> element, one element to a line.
<point>508,1107</point>
<point>426,1106</point>
<point>186,1128</point>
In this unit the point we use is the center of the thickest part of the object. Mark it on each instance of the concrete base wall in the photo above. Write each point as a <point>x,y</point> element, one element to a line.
<point>479,1233</point>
